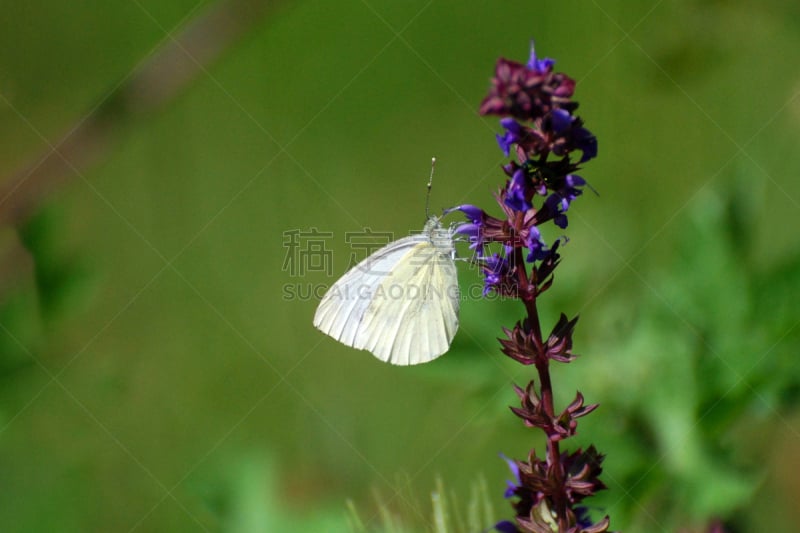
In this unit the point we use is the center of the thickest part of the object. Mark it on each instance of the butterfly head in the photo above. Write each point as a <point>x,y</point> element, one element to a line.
<point>440,237</point>
<point>432,224</point>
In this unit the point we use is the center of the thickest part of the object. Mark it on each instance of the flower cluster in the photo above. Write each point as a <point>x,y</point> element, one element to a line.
<point>548,143</point>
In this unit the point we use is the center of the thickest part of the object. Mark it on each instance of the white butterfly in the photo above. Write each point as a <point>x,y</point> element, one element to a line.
<point>400,303</point>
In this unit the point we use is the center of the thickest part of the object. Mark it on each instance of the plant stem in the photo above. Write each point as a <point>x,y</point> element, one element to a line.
<point>528,293</point>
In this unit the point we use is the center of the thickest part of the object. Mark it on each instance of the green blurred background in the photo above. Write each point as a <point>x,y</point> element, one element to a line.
<point>156,378</point>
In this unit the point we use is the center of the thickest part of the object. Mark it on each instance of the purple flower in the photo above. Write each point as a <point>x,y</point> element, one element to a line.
<point>514,134</point>
<point>512,465</point>
<point>496,270</point>
<point>536,246</point>
<point>585,142</point>
<point>553,204</point>
<point>519,191</point>
<point>472,229</point>
<point>469,229</point>
<point>582,516</point>
<point>512,167</point>
<point>558,202</point>
<point>539,65</point>
<point>474,213</point>
<point>561,120</point>
<point>506,526</point>
<point>564,133</point>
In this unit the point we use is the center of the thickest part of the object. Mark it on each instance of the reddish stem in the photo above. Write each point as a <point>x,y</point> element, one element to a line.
<point>528,291</point>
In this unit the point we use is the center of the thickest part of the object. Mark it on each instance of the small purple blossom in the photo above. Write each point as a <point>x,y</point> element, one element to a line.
<point>585,142</point>
<point>561,120</point>
<point>512,485</point>
<point>474,213</point>
<point>582,516</point>
<point>539,65</point>
<point>496,270</point>
<point>536,246</point>
<point>472,231</point>
<point>519,191</point>
<point>514,134</point>
<point>559,201</point>
<point>506,526</point>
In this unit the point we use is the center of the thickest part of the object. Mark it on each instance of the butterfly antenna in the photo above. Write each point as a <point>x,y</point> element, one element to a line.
<point>430,185</point>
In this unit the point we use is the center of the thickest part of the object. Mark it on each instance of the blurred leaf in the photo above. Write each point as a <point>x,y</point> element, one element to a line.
<point>62,282</point>
<point>20,322</point>
<point>249,499</point>
<point>691,366</point>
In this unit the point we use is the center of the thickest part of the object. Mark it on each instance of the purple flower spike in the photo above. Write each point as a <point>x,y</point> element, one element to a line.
<point>541,136</point>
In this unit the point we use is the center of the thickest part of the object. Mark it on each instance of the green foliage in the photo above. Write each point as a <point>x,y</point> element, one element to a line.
<point>61,281</point>
<point>706,351</point>
<point>253,502</point>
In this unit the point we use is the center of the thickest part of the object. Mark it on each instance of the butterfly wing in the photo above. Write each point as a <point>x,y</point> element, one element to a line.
<point>401,303</point>
<point>342,308</point>
<point>413,315</point>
